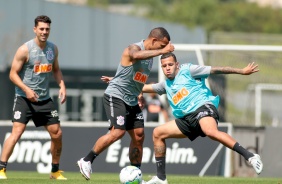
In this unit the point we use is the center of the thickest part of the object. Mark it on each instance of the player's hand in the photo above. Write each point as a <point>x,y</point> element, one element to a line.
<point>168,48</point>
<point>31,95</point>
<point>141,101</point>
<point>251,68</point>
<point>62,95</point>
<point>106,79</point>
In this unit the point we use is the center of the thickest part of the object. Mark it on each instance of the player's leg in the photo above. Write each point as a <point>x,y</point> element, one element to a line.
<point>116,114</point>
<point>45,114</point>
<point>136,146</point>
<point>101,144</point>
<point>106,140</point>
<point>55,132</point>
<point>10,142</point>
<point>20,119</point>
<point>209,127</point>
<point>160,134</point>
<point>135,128</point>
<point>8,147</point>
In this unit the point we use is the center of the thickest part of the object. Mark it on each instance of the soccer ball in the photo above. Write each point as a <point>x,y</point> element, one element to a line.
<point>130,175</point>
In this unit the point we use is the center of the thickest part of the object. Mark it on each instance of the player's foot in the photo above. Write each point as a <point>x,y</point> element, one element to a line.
<point>3,174</point>
<point>256,162</point>
<point>156,180</point>
<point>57,175</point>
<point>85,168</point>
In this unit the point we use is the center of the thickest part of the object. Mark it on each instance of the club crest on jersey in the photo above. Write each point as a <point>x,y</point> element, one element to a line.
<point>179,95</point>
<point>50,54</point>
<point>17,115</point>
<point>120,120</point>
<point>140,77</point>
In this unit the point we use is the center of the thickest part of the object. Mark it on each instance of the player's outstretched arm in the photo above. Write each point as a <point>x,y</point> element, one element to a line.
<point>147,88</point>
<point>106,79</point>
<point>249,69</point>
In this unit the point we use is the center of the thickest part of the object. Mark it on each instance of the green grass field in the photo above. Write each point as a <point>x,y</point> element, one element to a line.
<point>16,177</point>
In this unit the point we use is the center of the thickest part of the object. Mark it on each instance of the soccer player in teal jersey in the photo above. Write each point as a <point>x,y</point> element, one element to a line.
<point>195,109</point>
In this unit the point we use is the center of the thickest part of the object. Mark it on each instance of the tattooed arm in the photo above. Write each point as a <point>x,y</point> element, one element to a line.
<point>249,69</point>
<point>134,53</point>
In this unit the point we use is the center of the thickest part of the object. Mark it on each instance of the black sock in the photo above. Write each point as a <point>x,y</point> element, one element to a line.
<point>160,162</point>
<point>242,151</point>
<point>136,165</point>
<point>91,156</point>
<point>3,165</point>
<point>55,167</point>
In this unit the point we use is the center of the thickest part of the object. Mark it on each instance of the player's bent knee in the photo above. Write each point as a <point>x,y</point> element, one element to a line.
<point>158,134</point>
<point>140,139</point>
<point>56,135</point>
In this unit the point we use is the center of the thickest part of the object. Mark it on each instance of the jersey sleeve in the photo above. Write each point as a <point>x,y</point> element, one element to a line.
<point>159,88</point>
<point>198,71</point>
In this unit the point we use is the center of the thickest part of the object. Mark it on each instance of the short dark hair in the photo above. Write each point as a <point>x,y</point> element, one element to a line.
<point>159,33</point>
<point>166,55</point>
<point>42,18</point>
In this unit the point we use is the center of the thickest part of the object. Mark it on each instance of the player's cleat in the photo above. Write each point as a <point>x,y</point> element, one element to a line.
<point>256,162</point>
<point>156,180</point>
<point>85,168</point>
<point>57,175</point>
<point>3,174</point>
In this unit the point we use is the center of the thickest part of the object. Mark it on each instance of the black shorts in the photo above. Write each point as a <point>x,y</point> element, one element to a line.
<point>122,116</point>
<point>189,125</point>
<point>42,112</point>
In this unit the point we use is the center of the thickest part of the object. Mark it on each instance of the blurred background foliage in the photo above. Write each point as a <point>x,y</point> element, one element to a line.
<point>213,15</point>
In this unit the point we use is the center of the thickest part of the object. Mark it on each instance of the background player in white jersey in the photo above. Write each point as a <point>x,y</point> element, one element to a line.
<point>121,98</point>
<point>154,107</point>
<point>195,109</point>
<point>33,64</point>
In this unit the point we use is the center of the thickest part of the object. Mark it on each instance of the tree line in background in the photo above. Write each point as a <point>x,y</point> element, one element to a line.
<point>213,15</point>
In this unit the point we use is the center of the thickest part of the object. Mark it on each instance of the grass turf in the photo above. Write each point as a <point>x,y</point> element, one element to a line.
<point>16,177</point>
